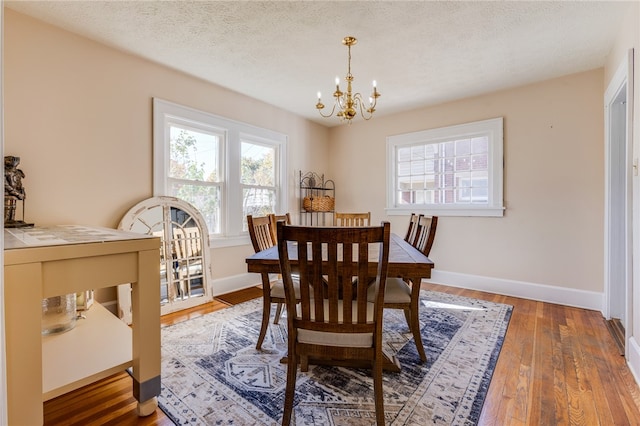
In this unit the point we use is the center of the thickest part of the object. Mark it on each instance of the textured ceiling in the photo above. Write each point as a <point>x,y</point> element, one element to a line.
<point>420,52</point>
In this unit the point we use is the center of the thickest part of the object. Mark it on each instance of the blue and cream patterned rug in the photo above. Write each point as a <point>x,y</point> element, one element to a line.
<point>213,375</point>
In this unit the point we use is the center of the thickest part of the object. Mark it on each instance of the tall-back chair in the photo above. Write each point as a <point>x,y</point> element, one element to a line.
<point>412,229</point>
<point>426,233</point>
<point>278,217</point>
<point>333,322</point>
<point>262,231</point>
<point>404,294</point>
<point>352,219</point>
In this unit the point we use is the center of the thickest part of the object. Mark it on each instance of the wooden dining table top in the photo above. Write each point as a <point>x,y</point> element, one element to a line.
<point>404,260</point>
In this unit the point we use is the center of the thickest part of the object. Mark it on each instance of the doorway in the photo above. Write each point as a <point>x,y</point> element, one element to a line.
<point>619,170</point>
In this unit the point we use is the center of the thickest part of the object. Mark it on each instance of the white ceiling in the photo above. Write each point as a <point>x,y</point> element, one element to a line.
<point>420,52</point>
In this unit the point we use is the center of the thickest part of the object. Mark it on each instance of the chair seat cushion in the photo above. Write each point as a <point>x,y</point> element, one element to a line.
<point>277,288</point>
<point>395,291</point>
<point>350,340</point>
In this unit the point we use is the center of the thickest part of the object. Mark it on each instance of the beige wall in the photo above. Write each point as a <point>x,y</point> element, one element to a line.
<point>79,114</point>
<point>552,230</point>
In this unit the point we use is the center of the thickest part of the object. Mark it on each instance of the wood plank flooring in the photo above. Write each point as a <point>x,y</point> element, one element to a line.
<point>558,366</point>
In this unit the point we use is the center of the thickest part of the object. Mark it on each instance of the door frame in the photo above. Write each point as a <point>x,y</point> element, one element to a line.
<point>619,197</point>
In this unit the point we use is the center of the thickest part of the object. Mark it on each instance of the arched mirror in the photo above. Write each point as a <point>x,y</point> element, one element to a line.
<point>185,270</point>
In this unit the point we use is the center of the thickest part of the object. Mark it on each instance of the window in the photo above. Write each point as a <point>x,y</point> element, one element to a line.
<point>226,169</point>
<point>258,178</point>
<point>449,171</point>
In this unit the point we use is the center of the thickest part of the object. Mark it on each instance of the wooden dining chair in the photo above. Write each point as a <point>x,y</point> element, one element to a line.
<point>412,229</point>
<point>344,325</point>
<point>425,234</point>
<point>403,293</point>
<point>278,217</point>
<point>262,231</point>
<point>352,219</point>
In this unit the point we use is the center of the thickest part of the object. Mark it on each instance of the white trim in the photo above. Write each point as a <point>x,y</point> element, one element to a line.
<point>612,185</point>
<point>443,210</point>
<point>235,282</point>
<point>620,187</point>
<point>522,289</point>
<point>633,357</point>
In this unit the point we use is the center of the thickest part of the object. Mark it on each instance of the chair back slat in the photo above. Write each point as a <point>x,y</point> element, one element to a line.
<point>328,261</point>
<point>262,230</point>
<point>426,234</point>
<point>412,229</point>
<point>352,219</point>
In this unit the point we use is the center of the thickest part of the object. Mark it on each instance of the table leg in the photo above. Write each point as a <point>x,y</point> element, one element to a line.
<point>23,313</point>
<point>415,316</point>
<point>145,305</point>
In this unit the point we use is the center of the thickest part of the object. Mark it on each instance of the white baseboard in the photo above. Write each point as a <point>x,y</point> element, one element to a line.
<point>633,358</point>
<point>234,283</point>
<point>526,290</point>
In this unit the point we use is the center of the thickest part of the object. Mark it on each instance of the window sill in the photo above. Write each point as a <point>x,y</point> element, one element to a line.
<point>440,210</point>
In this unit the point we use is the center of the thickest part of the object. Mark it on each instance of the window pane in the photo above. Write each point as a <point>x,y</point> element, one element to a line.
<point>258,202</point>
<point>404,154</point>
<point>404,168</point>
<point>258,167</point>
<point>463,147</point>
<point>205,198</point>
<point>480,145</point>
<point>404,183</point>
<point>194,155</point>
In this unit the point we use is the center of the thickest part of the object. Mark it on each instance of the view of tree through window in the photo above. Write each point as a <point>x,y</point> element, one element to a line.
<point>225,168</point>
<point>258,177</point>
<point>194,172</point>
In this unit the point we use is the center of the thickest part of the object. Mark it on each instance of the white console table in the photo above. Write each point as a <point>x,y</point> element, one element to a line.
<point>51,261</point>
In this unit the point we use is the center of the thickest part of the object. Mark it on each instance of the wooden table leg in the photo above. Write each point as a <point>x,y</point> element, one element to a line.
<point>145,305</point>
<point>23,316</point>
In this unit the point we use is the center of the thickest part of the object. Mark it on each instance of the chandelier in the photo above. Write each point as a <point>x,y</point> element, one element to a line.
<point>348,104</point>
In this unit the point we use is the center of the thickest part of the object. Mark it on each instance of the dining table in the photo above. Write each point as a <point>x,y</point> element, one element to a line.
<point>405,261</point>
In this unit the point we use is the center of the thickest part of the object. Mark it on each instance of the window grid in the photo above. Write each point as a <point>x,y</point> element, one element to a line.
<point>444,172</point>
<point>451,169</point>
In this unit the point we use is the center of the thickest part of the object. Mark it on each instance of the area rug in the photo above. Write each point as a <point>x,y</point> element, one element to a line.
<point>213,375</point>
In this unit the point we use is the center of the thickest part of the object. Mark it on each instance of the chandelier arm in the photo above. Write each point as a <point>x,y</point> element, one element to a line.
<point>330,114</point>
<point>359,102</point>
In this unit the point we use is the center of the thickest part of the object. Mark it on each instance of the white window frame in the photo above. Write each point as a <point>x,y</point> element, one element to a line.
<point>165,113</point>
<point>492,128</point>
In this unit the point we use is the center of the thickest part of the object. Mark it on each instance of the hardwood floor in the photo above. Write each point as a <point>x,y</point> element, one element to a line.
<point>558,366</point>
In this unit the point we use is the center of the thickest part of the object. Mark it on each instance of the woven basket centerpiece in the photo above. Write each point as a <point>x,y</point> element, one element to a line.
<point>319,204</point>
